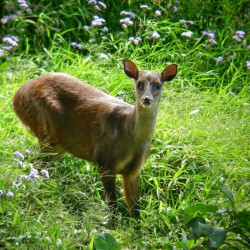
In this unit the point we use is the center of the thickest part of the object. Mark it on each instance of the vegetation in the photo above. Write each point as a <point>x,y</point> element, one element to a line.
<point>195,185</point>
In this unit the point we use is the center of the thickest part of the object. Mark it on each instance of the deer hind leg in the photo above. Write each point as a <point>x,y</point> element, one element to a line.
<point>108,180</point>
<point>131,185</point>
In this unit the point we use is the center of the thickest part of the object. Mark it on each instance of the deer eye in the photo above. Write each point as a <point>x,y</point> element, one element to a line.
<point>140,85</point>
<point>158,86</point>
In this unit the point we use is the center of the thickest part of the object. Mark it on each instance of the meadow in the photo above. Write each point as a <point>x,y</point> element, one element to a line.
<point>195,188</point>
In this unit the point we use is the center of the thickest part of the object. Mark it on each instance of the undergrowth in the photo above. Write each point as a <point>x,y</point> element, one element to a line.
<point>195,184</point>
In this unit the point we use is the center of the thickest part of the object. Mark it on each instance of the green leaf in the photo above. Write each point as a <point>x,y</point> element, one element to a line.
<point>198,228</point>
<point>228,194</point>
<point>106,241</point>
<point>200,207</point>
<point>194,233</point>
<point>216,235</point>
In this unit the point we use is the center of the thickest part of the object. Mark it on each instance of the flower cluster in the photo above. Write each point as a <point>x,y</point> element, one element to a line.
<point>9,193</point>
<point>97,4</point>
<point>239,35</point>
<point>97,21</point>
<point>23,4</point>
<point>128,13</point>
<point>76,45</point>
<point>156,35</point>
<point>144,6</point>
<point>10,42</point>
<point>210,34</point>
<point>175,7</point>
<point>187,34</point>
<point>11,17</point>
<point>33,175</point>
<point>185,23</point>
<point>219,59</point>
<point>157,13</point>
<point>126,21</point>
<point>134,40</point>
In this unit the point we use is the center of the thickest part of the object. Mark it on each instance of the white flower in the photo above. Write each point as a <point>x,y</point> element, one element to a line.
<point>158,13</point>
<point>219,59</point>
<point>187,34</point>
<point>155,35</point>
<point>10,194</point>
<point>45,173</point>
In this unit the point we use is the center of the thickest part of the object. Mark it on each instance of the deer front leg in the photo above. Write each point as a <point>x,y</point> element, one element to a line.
<point>131,185</point>
<point>108,180</point>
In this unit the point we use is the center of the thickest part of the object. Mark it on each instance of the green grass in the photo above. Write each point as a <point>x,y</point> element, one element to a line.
<point>201,141</point>
<point>199,163</point>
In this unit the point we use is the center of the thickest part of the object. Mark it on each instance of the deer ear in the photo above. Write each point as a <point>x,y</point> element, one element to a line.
<point>130,69</point>
<point>169,72</point>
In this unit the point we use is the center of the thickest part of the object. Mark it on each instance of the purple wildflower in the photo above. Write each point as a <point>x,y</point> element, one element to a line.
<point>135,40</point>
<point>79,46</point>
<point>19,155</point>
<point>33,174</point>
<point>97,21</point>
<point>248,64</point>
<point>210,33</point>
<point>86,27</point>
<point>219,59</point>
<point>27,152</point>
<point>12,40</point>
<point>126,21</point>
<point>240,33</point>
<point>23,177</point>
<point>10,194</point>
<point>102,4</point>
<point>105,29</point>
<point>6,19</point>
<point>1,192</point>
<point>187,34</point>
<point>97,8</point>
<point>127,13</point>
<point>158,13</point>
<point>45,173</point>
<point>236,38</point>
<point>92,2</point>
<point>212,41</point>
<point>144,6</point>
<point>175,9</point>
<point>23,4</point>
<point>248,46</point>
<point>7,48</point>
<point>155,35</point>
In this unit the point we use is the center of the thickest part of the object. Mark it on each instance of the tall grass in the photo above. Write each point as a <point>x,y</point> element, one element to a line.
<point>196,180</point>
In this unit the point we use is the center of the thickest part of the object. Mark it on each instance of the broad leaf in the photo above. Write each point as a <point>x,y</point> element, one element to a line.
<point>106,241</point>
<point>228,194</point>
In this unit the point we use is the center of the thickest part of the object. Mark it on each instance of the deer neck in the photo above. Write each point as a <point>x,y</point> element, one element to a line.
<point>144,123</point>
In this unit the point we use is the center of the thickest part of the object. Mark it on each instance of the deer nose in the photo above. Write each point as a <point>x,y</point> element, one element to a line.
<point>147,100</point>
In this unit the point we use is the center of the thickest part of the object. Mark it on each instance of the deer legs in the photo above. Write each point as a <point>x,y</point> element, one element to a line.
<point>131,185</point>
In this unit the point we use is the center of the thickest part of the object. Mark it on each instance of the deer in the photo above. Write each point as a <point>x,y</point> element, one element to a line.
<point>69,115</point>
